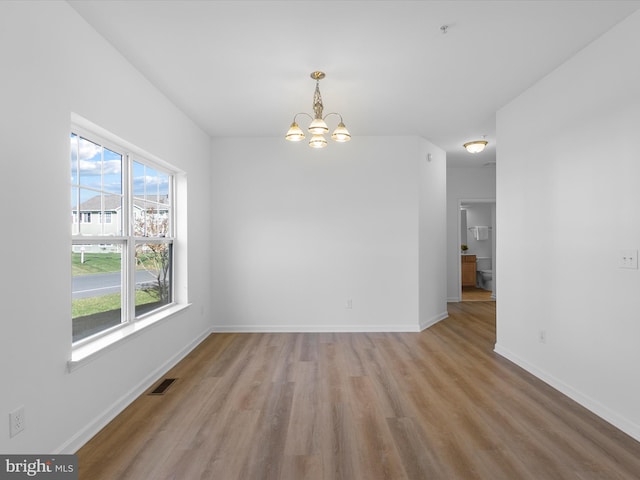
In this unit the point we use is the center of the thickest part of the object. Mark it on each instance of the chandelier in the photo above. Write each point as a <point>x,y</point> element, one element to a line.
<point>318,126</point>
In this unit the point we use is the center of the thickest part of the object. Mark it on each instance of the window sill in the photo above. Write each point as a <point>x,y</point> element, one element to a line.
<point>83,354</point>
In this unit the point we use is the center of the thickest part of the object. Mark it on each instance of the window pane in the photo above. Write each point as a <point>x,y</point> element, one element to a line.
<point>151,202</point>
<point>97,214</point>
<point>153,276</point>
<point>112,172</point>
<point>138,179</point>
<point>89,164</point>
<point>74,159</point>
<point>75,214</point>
<point>97,288</point>
<point>96,192</point>
<point>149,183</point>
<point>111,215</point>
<point>151,219</point>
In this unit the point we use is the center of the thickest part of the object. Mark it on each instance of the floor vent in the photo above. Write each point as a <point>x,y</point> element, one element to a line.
<point>162,388</point>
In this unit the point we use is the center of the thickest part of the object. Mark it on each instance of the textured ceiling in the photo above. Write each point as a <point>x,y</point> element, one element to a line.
<point>241,68</point>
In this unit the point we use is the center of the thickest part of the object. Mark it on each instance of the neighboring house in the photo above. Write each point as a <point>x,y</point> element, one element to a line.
<point>102,215</point>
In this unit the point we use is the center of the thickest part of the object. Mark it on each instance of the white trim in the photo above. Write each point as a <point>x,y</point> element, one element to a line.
<point>314,328</point>
<point>87,127</point>
<point>73,444</point>
<point>86,351</point>
<point>627,426</point>
<point>433,320</point>
<point>461,200</point>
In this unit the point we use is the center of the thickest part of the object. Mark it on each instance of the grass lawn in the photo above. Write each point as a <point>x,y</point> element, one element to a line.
<point>107,262</point>
<point>89,306</point>
<point>95,263</point>
<point>104,263</point>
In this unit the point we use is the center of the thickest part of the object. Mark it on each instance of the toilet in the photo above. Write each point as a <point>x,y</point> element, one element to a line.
<point>484,273</point>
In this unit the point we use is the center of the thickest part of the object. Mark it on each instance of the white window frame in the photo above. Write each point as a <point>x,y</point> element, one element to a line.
<point>87,348</point>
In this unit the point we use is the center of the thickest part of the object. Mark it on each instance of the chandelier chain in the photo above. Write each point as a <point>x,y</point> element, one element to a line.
<point>317,101</point>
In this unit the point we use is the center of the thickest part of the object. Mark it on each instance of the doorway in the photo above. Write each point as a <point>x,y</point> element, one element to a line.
<point>477,231</point>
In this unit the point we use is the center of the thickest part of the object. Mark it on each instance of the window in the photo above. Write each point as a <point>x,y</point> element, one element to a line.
<point>122,226</point>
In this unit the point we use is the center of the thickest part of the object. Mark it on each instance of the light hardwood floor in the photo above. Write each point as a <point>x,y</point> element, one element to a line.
<point>475,294</point>
<point>426,406</point>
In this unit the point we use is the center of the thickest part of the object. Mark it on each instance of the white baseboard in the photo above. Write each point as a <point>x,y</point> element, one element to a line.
<point>314,328</point>
<point>83,436</point>
<point>615,419</point>
<point>401,327</point>
<point>433,320</point>
<point>453,299</point>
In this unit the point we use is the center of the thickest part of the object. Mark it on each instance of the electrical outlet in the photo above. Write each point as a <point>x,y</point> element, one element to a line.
<point>349,304</point>
<point>16,421</point>
<point>628,259</point>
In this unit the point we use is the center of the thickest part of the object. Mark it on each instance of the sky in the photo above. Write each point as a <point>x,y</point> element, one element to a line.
<point>97,170</point>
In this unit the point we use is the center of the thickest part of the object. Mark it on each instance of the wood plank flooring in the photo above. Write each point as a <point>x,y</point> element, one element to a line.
<point>475,294</point>
<point>317,406</point>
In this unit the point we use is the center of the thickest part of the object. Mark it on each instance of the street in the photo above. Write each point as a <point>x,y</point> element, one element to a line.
<point>84,286</point>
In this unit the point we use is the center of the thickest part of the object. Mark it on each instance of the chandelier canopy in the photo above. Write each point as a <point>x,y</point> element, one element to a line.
<point>318,127</point>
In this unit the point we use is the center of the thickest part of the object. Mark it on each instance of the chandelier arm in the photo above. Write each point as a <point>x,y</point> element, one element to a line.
<point>333,113</point>
<point>301,113</point>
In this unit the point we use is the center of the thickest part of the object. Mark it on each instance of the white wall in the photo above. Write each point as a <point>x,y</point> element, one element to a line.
<point>567,194</point>
<point>433,233</point>
<point>54,64</point>
<point>463,184</point>
<point>298,233</point>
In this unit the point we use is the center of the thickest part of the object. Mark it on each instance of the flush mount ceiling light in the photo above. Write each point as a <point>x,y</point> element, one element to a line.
<point>476,146</point>
<point>318,127</point>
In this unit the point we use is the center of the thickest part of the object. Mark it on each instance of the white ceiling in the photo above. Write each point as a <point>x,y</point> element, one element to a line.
<point>241,68</point>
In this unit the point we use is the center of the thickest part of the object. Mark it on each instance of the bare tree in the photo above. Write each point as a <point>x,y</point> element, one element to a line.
<point>151,256</point>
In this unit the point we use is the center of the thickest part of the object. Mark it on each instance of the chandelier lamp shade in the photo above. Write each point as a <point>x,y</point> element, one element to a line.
<point>318,127</point>
<point>476,146</point>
